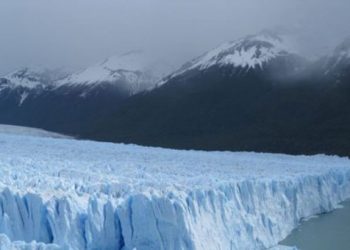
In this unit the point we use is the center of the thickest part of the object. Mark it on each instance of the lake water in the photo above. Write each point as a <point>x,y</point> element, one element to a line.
<point>326,232</point>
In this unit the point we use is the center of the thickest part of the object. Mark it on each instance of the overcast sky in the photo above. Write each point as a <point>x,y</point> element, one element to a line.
<point>77,33</point>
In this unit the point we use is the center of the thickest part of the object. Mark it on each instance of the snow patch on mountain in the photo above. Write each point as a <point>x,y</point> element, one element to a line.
<point>134,71</point>
<point>344,48</point>
<point>23,97</point>
<point>341,55</point>
<point>31,78</point>
<point>88,195</point>
<point>26,78</point>
<point>337,64</point>
<point>249,52</point>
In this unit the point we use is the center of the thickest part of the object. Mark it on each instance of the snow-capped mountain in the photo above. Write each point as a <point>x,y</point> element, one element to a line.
<point>133,72</point>
<point>342,52</point>
<point>129,73</point>
<point>70,103</point>
<point>254,94</point>
<point>24,82</point>
<point>245,54</point>
<point>30,78</point>
<point>337,65</point>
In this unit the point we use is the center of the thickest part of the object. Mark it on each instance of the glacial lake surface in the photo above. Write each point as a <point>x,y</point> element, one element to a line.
<point>329,231</point>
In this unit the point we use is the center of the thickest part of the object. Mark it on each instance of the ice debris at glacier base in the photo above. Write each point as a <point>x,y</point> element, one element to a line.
<point>69,194</point>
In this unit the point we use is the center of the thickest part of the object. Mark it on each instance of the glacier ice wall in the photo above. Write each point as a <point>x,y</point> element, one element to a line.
<point>74,195</point>
<point>248,214</point>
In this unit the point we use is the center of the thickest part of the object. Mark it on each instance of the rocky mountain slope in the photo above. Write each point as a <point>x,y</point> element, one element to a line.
<point>69,103</point>
<point>253,94</point>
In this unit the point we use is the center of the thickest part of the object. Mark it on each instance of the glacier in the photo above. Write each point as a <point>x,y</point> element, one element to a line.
<point>60,193</point>
<point>19,130</point>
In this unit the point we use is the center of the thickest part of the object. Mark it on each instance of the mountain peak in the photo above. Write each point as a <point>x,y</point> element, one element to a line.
<point>135,60</point>
<point>249,52</point>
<point>267,37</point>
<point>30,77</point>
<point>343,49</point>
<point>339,60</point>
<point>133,71</point>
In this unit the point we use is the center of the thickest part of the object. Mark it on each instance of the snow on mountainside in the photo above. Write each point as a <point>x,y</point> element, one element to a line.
<point>133,71</point>
<point>249,52</point>
<point>339,60</point>
<point>343,50</point>
<point>69,194</point>
<point>28,78</point>
<point>22,83</point>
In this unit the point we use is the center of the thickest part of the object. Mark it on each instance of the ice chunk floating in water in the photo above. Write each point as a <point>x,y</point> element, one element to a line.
<point>68,194</point>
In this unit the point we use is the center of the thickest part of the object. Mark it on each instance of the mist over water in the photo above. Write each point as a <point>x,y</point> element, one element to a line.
<point>75,34</point>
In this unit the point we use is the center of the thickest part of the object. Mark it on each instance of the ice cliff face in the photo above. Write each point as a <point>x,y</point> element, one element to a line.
<point>67,194</point>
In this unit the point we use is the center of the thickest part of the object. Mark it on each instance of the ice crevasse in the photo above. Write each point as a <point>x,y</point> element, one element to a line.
<point>67,194</point>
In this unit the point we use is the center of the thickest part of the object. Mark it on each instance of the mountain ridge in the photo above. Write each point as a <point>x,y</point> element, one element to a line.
<point>221,107</point>
<point>283,104</point>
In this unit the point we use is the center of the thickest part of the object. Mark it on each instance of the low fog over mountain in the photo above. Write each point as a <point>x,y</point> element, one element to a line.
<point>77,34</point>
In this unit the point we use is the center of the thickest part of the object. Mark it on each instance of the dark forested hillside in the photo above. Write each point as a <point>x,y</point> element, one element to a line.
<point>216,111</point>
<point>251,95</point>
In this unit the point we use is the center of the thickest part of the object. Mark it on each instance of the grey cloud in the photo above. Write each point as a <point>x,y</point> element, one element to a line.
<point>77,33</point>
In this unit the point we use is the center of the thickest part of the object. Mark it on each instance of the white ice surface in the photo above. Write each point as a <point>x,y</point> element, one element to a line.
<point>19,130</point>
<point>283,248</point>
<point>89,195</point>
